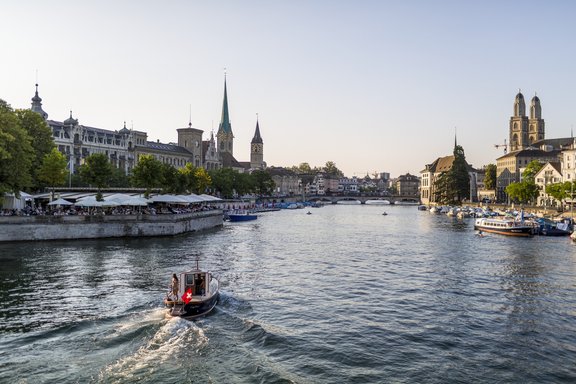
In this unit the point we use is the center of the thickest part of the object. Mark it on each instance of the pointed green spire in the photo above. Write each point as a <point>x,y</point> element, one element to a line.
<point>225,126</point>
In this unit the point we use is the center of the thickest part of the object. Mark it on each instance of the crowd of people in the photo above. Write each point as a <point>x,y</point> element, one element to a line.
<point>104,211</point>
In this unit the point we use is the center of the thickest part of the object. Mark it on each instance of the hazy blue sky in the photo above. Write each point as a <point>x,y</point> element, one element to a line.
<point>371,85</point>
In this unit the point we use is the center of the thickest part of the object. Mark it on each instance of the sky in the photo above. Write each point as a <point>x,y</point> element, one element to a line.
<point>373,86</point>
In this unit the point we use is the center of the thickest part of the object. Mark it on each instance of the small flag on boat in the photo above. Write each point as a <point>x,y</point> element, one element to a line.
<point>187,296</point>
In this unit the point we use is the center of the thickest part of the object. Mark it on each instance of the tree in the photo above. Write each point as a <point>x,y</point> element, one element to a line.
<point>459,175</point>
<point>331,169</point>
<point>53,171</point>
<point>223,181</point>
<point>561,191</point>
<point>16,152</point>
<point>97,171</point>
<point>171,179</point>
<point>303,168</point>
<point>119,179</point>
<point>203,181</point>
<point>523,192</point>
<point>452,186</point>
<point>41,139</point>
<point>490,176</point>
<point>532,168</point>
<point>147,173</point>
<point>263,183</point>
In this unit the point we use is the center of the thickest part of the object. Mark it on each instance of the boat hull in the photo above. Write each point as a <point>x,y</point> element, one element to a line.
<point>236,218</point>
<point>504,228</point>
<point>192,309</point>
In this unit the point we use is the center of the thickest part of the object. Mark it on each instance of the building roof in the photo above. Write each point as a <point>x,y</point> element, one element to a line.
<point>228,161</point>
<point>167,148</point>
<point>530,152</point>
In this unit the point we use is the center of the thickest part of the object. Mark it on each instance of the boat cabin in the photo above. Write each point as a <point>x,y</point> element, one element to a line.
<point>194,282</point>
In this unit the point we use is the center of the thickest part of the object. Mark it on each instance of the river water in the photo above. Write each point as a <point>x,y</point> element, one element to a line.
<point>344,295</point>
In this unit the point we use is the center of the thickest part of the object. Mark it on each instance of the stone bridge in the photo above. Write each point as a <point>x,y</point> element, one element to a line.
<point>395,199</point>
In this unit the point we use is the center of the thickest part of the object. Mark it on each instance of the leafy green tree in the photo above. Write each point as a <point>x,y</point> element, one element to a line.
<point>303,168</point>
<point>561,191</point>
<point>459,175</point>
<point>223,181</point>
<point>243,183</point>
<point>119,179</point>
<point>263,183</point>
<point>53,170</point>
<point>41,138</point>
<point>453,186</point>
<point>97,171</point>
<point>490,176</point>
<point>171,179</point>
<point>532,168</point>
<point>523,192</point>
<point>188,178</point>
<point>147,173</point>
<point>16,152</point>
<point>203,181</point>
<point>331,169</point>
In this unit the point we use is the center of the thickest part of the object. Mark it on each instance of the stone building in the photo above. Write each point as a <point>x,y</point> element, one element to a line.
<point>124,147</point>
<point>527,143</point>
<point>432,171</point>
<point>408,185</point>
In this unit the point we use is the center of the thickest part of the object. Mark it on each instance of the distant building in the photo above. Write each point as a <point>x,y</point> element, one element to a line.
<point>286,181</point>
<point>550,173</point>
<point>408,185</point>
<point>431,173</point>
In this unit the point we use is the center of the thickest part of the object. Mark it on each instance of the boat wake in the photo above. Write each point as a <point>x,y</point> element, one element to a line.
<point>173,338</point>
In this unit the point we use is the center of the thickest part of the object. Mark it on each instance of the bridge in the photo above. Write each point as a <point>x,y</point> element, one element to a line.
<point>334,199</point>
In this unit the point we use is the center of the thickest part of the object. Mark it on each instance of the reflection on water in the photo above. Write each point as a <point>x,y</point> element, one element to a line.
<point>343,295</point>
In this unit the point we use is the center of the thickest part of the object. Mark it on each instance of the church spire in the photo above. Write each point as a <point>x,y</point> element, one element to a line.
<point>225,135</point>
<point>257,139</point>
<point>225,126</point>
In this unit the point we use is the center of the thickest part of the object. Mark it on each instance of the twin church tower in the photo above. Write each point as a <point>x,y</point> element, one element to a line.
<point>524,130</point>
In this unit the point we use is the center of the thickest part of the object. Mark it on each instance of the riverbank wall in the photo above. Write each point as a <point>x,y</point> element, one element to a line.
<point>35,228</point>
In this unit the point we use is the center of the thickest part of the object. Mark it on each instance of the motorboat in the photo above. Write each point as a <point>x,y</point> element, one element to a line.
<point>240,216</point>
<point>548,227</point>
<point>200,293</point>
<point>505,226</point>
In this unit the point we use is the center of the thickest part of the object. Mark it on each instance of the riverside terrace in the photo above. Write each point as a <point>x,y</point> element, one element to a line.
<point>88,218</point>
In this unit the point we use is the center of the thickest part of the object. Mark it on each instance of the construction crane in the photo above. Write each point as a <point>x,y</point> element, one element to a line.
<point>502,145</point>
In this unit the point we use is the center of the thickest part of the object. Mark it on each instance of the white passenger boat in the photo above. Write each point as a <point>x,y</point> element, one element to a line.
<point>505,226</point>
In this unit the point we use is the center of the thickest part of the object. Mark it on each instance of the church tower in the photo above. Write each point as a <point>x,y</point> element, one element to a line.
<point>225,136</point>
<point>519,125</point>
<point>535,122</point>
<point>257,150</point>
<point>37,105</point>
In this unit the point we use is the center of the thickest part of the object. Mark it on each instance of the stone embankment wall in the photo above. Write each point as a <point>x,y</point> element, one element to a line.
<point>27,228</point>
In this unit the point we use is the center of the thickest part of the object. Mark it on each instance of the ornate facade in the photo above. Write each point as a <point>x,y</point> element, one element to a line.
<point>125,146</point>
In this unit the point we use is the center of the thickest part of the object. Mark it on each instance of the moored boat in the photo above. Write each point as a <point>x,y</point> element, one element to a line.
<point>548,227</point>
<point>504,226</point>
<point>200,294</point>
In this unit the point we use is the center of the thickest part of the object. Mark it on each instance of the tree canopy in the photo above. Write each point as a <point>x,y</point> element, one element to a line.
<point>96,170</point>
<point>16,152</point>
<point>452,186</point>
<point>490,176</point>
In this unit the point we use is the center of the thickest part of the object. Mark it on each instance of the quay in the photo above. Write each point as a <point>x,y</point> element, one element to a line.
<point>36,228</point>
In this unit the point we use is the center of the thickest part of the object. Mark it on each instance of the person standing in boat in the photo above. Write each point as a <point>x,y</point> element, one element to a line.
<point>200,286</point>
<point>174,287</point>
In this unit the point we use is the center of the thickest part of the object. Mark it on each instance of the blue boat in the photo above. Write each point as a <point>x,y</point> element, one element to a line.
<point>240,216</point>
